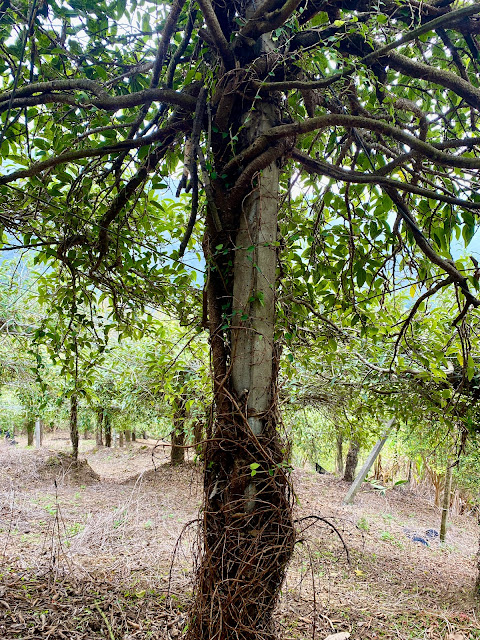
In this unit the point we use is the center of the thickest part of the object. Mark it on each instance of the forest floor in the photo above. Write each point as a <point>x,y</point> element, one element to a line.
<point>89,555</point>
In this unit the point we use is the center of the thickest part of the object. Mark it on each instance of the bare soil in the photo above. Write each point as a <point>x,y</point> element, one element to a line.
<point>104,549</point>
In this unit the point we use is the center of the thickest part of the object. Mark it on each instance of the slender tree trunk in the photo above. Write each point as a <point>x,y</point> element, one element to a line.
<point>446,500</point>
<point>108,429</point>
<point>120,439</point>
<point>351,461</point>
<point>177,451</point>
<point>339,454</point>
<point>99,428</point>
<point>30,432</point>
<point>128,436</point>
<point>248,534</point>
<point>410,473</point>
<point>198,437</point>
<point>74,425</point>
<point>134,436</point>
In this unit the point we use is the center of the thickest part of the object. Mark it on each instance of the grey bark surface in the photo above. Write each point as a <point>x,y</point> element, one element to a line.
<point>38,433</point>
<point>339,454</point>
<point>99,428</point>
<point>351,461</point>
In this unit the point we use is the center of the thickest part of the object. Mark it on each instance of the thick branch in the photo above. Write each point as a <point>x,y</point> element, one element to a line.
<point>349,121</point>
<point>105,101</point>
<point>215,30</point>
<point>262,22</point>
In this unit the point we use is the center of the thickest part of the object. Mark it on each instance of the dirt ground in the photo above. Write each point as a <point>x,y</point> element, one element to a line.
<point>89,555</point>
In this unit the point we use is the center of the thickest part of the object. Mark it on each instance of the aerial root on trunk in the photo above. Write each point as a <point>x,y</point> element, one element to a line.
<point>247,534</point>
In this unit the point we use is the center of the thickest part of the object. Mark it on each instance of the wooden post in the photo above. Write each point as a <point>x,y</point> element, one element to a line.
<point>446,500</point>
<point>38,433</point>
<point>356,484</point>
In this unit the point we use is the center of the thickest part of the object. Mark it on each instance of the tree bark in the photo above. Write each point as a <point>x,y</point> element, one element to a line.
<point>108,429</point>
<point>198,437</point>
<point>128,436</point>
<point>339,454</point>
<point>99,428</point>
<point>446,500</point>
<point>134,436</point>
<point>177,451</point>
<point>248,533</point>
<point>30,432</point>
<point>351,461</point>
<point>74,425</point>
<point>120,439</point>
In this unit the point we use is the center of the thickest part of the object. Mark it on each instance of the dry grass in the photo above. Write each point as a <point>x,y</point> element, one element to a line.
<point>111,543</point>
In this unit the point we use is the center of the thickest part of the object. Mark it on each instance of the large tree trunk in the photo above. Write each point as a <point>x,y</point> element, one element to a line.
<point>446,501</point>
<point>351,461</point>
<point>74,425</point>
<point>248,533</point>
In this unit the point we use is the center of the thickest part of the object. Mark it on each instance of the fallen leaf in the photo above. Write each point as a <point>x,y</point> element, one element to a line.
<point>338,636</point>
<point>456,636</point>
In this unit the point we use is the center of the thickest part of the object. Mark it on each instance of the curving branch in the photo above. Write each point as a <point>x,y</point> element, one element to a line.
<point>424,245</point>
<point>323,168</point>
<point>264,20</point>
<point>104,101</point>
<point>356,44</point>
<point>216,33</point>
<point>104,150</point>
<point>349,121</point>
<point>428,294</point>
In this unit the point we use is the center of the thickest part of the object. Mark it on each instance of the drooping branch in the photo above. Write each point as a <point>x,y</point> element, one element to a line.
<point>423,244</point>
<point>196,131</point>
<point>427,294</point>
<point>181,49</point>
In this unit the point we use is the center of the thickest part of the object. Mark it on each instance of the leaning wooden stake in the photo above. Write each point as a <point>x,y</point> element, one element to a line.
<point>356,484</point>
